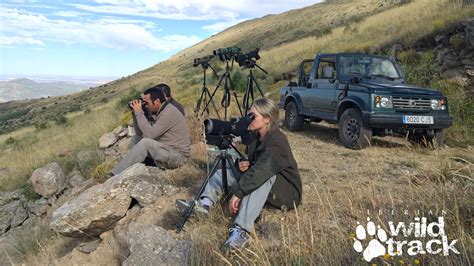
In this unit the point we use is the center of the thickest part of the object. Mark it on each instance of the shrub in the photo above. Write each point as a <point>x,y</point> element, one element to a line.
<point>461,108</point>
<point>102,171</point>
<point>29,192</point>
<point>60,120</point>
<point>457,42</point>
<point>419,68</point>
<point>41,125</point>
<point>10,140</point>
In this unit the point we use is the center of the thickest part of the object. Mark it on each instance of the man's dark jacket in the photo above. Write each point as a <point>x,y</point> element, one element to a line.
<point>272,156</point>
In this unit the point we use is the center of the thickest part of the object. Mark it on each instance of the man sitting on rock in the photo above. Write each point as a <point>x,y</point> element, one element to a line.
<point>164,138</point>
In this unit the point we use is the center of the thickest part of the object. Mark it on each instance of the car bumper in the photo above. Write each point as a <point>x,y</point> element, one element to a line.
<point>395,120</point>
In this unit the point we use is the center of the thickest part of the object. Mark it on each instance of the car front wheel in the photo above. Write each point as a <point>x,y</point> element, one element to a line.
<point>293,120</point>
<point>352,132</point>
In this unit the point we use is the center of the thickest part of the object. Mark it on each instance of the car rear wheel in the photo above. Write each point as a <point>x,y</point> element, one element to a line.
<point>293,120</point>
<point>352,132</point>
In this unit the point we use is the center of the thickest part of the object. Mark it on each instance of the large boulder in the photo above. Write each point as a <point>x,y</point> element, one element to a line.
<point>98,208</point>
<point>153,245</point>
<point>48,181</point>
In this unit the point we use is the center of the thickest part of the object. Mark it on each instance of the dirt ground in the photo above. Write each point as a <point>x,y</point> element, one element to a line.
<point>390,181</point>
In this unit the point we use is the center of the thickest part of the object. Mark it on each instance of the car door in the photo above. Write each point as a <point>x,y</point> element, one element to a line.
<point>323,85</point>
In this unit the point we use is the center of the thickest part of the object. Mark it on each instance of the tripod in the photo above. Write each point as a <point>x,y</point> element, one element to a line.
<point>249,91</point>
<point>223,159</point>
<point>227,97</point>
<point>205,92</point>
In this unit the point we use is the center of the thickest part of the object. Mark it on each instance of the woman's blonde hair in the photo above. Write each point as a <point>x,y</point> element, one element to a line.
<point>267,108</point>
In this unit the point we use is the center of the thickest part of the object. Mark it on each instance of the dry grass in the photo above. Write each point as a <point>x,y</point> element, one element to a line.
<point>340,186</point>
<point>35,148</point>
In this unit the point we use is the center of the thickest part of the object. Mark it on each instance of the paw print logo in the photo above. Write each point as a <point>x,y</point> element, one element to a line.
<point>375,247</point>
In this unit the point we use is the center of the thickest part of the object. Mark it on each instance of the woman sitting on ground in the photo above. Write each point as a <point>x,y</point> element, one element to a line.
<point>269,176</point>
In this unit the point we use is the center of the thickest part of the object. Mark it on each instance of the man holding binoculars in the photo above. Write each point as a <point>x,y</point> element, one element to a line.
<point>162,135</point>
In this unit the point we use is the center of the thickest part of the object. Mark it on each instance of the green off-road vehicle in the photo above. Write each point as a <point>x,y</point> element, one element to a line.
<point>367,96</point>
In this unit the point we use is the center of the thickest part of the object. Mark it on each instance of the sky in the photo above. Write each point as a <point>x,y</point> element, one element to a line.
<point>113,38</point>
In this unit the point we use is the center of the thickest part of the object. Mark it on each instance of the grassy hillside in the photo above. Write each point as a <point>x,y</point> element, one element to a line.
<point>375,28</point>
<point>338,182</point>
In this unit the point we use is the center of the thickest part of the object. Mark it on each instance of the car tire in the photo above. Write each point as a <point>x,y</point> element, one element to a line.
<point>293,120</point>
<point>439,138</point>
<point>352,131</point>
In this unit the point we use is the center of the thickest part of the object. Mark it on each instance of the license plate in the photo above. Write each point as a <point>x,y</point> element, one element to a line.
<point>417,119</point>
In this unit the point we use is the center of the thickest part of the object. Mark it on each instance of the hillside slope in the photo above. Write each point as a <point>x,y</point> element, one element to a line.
<point>285,39</point>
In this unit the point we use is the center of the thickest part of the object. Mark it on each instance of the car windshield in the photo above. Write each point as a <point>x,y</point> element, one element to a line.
<point>367,66</point>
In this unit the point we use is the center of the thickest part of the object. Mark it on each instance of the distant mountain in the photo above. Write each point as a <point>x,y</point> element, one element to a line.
<point>23,88</point>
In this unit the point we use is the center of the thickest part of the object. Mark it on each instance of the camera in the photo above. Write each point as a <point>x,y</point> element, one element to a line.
<point>202,60</point>
<point>245,59</point>
<point>144,108</point>
<point>220,132</point>
<point>226,53</point>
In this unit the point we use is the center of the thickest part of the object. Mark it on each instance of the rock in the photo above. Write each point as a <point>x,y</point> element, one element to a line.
<point>120,231</point>
<point>38,207</point>
<point>48,181</point>
<point>469,30</point>
<point>98,208</point>
<point>107,140</point>
<point>153,245</point>
<point>6,197</point>
<point>12,215</point>
<point>89,247</point>
<point>85,159</point>
<point>75,178</point>
<point>123,133</point>
<point>94,211</point>
<point>145,193</point>
<point>117,130</point>
<point>131,131</point>
<point>83,186</point>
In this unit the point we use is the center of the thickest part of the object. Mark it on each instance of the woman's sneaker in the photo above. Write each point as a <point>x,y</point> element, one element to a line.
<point>183,205</point>
<point>238,238</point>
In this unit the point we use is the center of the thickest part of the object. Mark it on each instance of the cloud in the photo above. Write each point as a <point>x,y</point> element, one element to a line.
<point>220,26</point>
<point>194,9</point>
<point>21,27</point>
<point>19,40</point>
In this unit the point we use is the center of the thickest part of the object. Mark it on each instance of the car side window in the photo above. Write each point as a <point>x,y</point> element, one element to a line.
<point>326,68</point>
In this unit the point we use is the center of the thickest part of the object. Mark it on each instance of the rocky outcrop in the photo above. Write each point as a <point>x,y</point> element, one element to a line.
<point>98,208</point>
<point>48,181</point>
<point>455,53</point>
<point>12,211</point>
<point>153,245</point>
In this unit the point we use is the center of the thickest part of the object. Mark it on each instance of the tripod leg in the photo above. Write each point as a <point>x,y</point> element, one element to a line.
<point>213,93</point>
<point>213,104</point>
<point>258,87</point>
<point>201,98</point>
<point>189,210</point>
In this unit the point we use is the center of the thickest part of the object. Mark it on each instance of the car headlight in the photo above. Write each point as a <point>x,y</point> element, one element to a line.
<point>435,104</point>
<point>383,102</point>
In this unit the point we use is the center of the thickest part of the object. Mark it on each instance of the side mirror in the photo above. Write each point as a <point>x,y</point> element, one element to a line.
<point>332,80</point>
<point>309,85</point>
<point>355,80</point>
<point>292,84</point>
